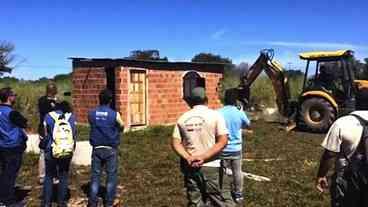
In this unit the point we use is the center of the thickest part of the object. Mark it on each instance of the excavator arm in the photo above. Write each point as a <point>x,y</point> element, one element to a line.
<point>275,72</point>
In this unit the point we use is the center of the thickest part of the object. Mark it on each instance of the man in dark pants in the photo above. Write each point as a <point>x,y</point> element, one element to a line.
<point>340,145</point>
<point>57,167</point>
<point>46,104</point>
<point>12,145</point>
<point>106,125</point>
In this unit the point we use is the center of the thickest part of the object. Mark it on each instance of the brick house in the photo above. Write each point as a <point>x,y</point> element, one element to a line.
<point>145,92</point>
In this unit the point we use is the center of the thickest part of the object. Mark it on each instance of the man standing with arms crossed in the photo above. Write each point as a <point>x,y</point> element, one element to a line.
<point>199,136</point>
<point>231,157</point>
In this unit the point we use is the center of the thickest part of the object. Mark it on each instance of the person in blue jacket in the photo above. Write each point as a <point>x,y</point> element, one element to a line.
<point>12,145</point>
<point>105,127</point>
<point>231,156</point>
<point>56,167</point>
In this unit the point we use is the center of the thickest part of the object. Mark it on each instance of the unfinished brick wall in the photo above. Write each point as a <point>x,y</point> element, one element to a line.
<point>122,93</point>
<point>164,93</point>
<point>212,83</point>
<point>87,83</point>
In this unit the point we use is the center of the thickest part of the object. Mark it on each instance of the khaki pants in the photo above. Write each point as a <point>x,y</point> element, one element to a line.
<point>203,187</point>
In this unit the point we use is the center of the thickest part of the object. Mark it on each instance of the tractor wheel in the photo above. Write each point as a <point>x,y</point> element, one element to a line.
<point>316,115</point>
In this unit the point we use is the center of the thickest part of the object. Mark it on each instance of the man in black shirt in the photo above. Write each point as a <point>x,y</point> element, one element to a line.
<point>45,104</point>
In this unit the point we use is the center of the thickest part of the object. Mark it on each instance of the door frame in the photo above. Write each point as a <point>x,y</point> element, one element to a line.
<point>145,107</point>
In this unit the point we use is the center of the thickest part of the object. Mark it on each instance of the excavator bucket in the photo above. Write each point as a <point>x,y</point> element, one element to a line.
<point>275,72</point>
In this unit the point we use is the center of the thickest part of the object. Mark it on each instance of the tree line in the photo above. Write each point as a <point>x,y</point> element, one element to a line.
<point>7,58</point>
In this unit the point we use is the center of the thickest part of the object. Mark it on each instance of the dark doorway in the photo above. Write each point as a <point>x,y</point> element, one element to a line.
<point>110,84</point>
<point>190,81</point>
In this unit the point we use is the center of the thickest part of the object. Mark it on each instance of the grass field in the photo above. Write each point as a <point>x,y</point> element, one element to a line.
<point>149,174</point>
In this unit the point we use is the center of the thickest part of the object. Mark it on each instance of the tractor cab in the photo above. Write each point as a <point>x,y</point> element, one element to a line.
<point>331,78</point>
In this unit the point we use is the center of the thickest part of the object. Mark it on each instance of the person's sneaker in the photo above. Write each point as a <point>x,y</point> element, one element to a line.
<point>55,181</point>
<point>239,200</point>
<point>40,181</point>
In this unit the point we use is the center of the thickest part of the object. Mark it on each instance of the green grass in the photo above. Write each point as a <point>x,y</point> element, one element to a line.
<point>28,94</point>
<point>150,176</point>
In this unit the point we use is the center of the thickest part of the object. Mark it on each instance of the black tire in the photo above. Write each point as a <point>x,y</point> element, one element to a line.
<point>316,115</point>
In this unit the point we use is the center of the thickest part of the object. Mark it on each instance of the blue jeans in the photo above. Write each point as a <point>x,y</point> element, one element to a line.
<point>231,175</point>
<point>10,162</point>
<point>56,168</point>
<point>104,158</point>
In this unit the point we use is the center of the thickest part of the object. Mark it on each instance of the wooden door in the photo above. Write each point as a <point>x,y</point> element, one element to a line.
<point>137,97</point>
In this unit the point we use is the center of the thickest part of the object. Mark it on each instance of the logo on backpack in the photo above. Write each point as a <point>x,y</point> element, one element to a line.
<point>62,134</point>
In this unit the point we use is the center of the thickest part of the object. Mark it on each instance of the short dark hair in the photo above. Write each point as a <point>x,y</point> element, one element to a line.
<point>198,101</point>
<point>5,93</point>
<point>64,106</point>
<point>51,88</point>
<point>105,97</point>
<point>231,95</point>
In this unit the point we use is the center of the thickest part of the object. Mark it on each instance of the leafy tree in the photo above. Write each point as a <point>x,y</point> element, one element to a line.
<point>294,73</point>
<point>360,69</point>
<point>211,58</point>
<point>62,77</point>
<point>146,55</point>
<point>6,56</point>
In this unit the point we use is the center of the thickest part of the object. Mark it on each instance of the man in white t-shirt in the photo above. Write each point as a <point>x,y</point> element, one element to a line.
<point>340,144</point>
<point>199,136</point>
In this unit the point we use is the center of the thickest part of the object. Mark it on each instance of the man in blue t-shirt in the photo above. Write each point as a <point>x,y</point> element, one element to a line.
<point>12,145</point>
<point>106,125</point>
<point>231,156</point>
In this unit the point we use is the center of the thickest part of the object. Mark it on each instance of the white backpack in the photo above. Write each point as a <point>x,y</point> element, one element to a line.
<point>63,138</point>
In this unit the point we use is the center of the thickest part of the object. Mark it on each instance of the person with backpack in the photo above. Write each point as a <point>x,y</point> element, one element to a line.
<point>12,145</point>
<point>60,134</point>
<point>105,126</point>
<point>45,104</point>
<point>345,145</point>
<point>231,156</point>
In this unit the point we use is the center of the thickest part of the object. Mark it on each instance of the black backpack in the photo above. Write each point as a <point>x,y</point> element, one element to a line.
<point>357,169</point>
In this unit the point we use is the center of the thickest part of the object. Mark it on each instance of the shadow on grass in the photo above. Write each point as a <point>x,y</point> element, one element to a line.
<point>55,194</point>
<point>101,191</point>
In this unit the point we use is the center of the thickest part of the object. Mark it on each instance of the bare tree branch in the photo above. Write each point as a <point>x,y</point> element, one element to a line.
<point>6,56</point>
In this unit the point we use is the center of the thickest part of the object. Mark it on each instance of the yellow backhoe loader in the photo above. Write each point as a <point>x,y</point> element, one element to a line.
<point>328,92</point>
